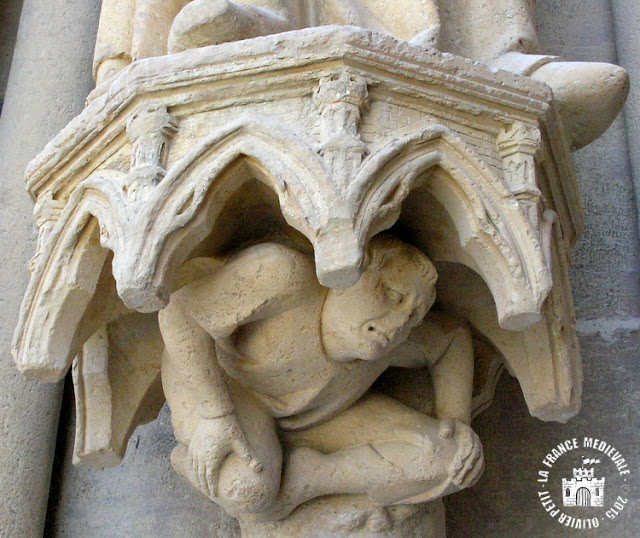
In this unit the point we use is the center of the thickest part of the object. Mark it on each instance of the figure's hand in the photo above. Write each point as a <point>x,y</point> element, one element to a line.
<point>213,440</point>
<point>468,464</point>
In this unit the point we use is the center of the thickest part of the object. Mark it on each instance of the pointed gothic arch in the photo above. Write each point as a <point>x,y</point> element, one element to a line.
<point>492,229</point>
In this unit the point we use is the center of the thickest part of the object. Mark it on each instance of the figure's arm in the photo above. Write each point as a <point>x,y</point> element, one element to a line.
<point>260,282</point>
<point>444,345</point>
<point>192,353</point>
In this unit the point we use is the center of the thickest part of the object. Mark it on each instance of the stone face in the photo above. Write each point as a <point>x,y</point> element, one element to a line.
<point>241,189</point>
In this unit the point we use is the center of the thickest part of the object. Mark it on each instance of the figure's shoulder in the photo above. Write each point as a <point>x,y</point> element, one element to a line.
<point>273,264</point>
<point>272,256</point>
<point>254,279</point>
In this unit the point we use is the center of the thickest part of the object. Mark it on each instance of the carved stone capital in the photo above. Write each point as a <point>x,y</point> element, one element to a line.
<point>263,222</point>
<point>342,88</point>
<point>149,129</point>
<point>520,146</point>
<point>519,138</point>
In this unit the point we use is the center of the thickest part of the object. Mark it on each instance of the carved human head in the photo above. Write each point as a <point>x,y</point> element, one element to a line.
<point>369,319</point>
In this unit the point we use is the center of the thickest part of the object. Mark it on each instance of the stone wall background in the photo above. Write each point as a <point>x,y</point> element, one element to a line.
<point>9,19</point>
<point>47,86</point>
<point>606,285</point>
<point>143,496</point>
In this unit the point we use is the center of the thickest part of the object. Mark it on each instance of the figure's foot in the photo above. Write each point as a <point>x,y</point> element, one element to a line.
<point>590,96</point>
<point>210,22</point>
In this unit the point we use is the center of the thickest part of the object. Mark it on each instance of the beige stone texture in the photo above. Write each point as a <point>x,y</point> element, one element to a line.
<point>100,502</point>
<point>347,159</point>
<point>240,188</point>
<point>43,94</point>
<point>299,359</point>
<point>500,33</point>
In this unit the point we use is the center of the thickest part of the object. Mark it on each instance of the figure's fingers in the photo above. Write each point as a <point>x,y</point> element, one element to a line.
<point>447,428</point>
<point>212,474</point>
<point>467,463</point>
<point>476,472</point>
<point>466,445</point>
<point>455,467</point>
<point>201,473</point>
<point>469,477</point>
<point>240,447</point>
<point>478,468</point>
<point>458,463</point>
<point>212,479</point>
<point>194,466</point>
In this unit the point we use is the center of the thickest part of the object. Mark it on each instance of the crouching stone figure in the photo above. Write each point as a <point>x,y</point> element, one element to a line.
<point>268,377</point>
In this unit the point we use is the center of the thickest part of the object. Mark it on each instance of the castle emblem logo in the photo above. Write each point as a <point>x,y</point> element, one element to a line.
<point>583,489</point>
<point>584,483</point>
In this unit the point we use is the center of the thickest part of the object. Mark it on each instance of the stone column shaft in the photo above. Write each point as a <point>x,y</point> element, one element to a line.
<point>626,19</point>
<point>49,80</point>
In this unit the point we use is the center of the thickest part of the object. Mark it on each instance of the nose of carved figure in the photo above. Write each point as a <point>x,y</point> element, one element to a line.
<point>394,327</point>
<point>339,256</point>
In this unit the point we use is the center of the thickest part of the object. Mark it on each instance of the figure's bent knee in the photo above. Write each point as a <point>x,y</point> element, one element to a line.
<point>447,449</point>
<point>242,489</point>
<point>427,468</point>
<point>210,22</point>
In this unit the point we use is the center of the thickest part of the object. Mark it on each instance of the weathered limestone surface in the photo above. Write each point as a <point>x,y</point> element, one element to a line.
<point>482,152</point>
<point>148,161</point>
<point>606,282</point>
<point>43,94</point>
<point>626,18</point>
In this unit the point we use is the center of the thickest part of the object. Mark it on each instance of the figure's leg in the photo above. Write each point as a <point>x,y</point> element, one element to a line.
<point>113,41</point>
<point>590,96</point>
<point>210,22</point>
<point>382,449</point>
<point>502,34</point>
<point>415,20</point>
<point>240,489</point>
<point>485,29</point>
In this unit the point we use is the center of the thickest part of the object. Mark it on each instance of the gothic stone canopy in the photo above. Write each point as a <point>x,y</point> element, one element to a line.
<point>331,134</point>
